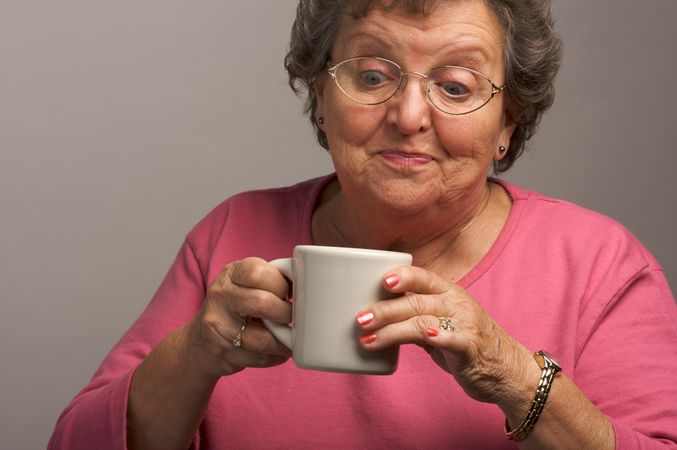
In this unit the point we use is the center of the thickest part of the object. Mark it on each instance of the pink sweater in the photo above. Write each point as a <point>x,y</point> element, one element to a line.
<point>559,278</point>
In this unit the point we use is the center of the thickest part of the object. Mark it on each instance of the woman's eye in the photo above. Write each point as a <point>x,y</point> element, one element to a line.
<point>455,89</point>
<point>372,77</point>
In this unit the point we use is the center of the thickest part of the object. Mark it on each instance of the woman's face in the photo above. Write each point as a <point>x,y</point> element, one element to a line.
<point>405,155</point>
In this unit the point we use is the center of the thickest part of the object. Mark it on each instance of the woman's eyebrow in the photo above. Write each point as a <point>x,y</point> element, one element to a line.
<point>366,43</point>
<point>371,45</point>
<point>466,50</point>
<point>470,59</point>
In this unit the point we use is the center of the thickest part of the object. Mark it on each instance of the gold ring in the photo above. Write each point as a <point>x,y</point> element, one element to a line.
<point>237,340</point>
<point>445,323</point>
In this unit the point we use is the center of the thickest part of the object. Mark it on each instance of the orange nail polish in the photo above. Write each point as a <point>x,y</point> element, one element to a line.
<point>392,280</point>
<point>432,332</point>
<point>365,318</point>
<point>368,338</point>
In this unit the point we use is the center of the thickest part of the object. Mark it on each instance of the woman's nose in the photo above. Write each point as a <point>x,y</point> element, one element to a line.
<point>409,108</point>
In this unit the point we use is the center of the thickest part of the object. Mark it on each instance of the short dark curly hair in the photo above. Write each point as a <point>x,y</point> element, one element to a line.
<point>531,48</point>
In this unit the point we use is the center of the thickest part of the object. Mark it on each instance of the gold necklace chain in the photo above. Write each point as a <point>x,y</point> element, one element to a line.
<point>474,218</point>
<point>463,228</point>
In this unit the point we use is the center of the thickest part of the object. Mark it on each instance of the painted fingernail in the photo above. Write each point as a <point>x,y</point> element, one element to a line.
<point>368,338</point>
<point>392,280</point>
<point>432,332</point>
<point>365,317</point>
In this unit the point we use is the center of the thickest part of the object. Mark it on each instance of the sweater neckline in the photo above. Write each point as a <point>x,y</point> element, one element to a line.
<point>516,194</point>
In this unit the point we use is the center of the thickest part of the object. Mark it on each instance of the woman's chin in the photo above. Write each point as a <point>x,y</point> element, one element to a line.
<point>398,199</point>
<point>386,189</point>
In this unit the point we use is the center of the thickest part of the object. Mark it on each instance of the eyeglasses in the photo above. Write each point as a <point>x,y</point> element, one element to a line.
<point>451,89</point>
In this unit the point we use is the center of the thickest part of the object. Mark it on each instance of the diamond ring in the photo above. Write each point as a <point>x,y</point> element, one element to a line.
<point>445,323</point>
<point>237,340</point>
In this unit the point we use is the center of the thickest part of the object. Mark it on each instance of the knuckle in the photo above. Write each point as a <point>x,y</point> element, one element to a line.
<point>256,270</point>
<point>408,271</point>
<point>212,341</point>
<point>250,271</point>
<point>220,285</point>
<point>416,303</point>
<point>431,279</point>
<point>213,292</point>
<point>262,304</point>
<point>211,322</point>
<point>217,288</point>
<point>257,299</point>
<point>421,323</point>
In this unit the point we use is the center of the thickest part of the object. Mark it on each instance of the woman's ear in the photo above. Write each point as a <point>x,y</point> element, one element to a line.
<point>318,89</point>
<point>505,135</point>
<point>509,125</point>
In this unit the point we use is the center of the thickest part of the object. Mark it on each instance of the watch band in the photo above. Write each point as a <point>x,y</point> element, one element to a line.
<point>549,368</point>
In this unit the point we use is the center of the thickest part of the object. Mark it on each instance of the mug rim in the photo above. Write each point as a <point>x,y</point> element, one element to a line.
<point>347,251</point>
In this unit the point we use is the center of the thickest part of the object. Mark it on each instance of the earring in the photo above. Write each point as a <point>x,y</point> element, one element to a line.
<point>320,120</point>
<point>502,149</point>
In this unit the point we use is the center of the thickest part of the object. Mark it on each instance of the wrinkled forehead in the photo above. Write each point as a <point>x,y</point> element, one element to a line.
<point>463,32</point>
<point>360,8</point>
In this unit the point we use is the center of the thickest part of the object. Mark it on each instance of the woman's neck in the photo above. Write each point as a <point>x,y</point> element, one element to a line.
<point>456,235</point>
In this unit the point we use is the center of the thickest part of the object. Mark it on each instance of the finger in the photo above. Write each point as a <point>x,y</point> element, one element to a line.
<point>258,303</point>
<point>215,350</point>
<point>423,297</point>
<point>415,279</point>
<point>262,279</point>
<point>257,338</point>
<point>251,287</point>
<point>414,330</point>
<point>422,330</point>
<point>452,350</point>
<point>257,273</point>
<point>252,334</point>
<point>404,308</point>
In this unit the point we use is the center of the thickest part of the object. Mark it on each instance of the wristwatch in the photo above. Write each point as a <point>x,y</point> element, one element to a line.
<point>549,368</point>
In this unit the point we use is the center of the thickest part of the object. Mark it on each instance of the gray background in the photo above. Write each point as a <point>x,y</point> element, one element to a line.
<point>123,123</point>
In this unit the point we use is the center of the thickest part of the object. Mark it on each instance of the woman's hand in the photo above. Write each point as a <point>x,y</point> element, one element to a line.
<point>245,290</point>
<point>487,363</point>
<point>172,387</point>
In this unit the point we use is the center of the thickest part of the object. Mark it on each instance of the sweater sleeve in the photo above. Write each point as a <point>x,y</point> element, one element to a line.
<point>627,364</point>
<point>96,417</point>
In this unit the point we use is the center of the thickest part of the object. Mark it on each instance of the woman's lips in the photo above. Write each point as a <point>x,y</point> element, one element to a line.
<point>405,159</point>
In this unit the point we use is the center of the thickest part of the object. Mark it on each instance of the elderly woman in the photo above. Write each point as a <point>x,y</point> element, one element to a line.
<point>416,102</point>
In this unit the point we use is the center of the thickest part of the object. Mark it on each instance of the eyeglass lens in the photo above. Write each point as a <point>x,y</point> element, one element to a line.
<point>454,90</point>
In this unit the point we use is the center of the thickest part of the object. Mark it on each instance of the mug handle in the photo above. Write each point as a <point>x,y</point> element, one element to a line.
<point>281,331</point>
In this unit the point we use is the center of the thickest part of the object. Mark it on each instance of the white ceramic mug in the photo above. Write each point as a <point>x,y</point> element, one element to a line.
<point>331,285</point>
